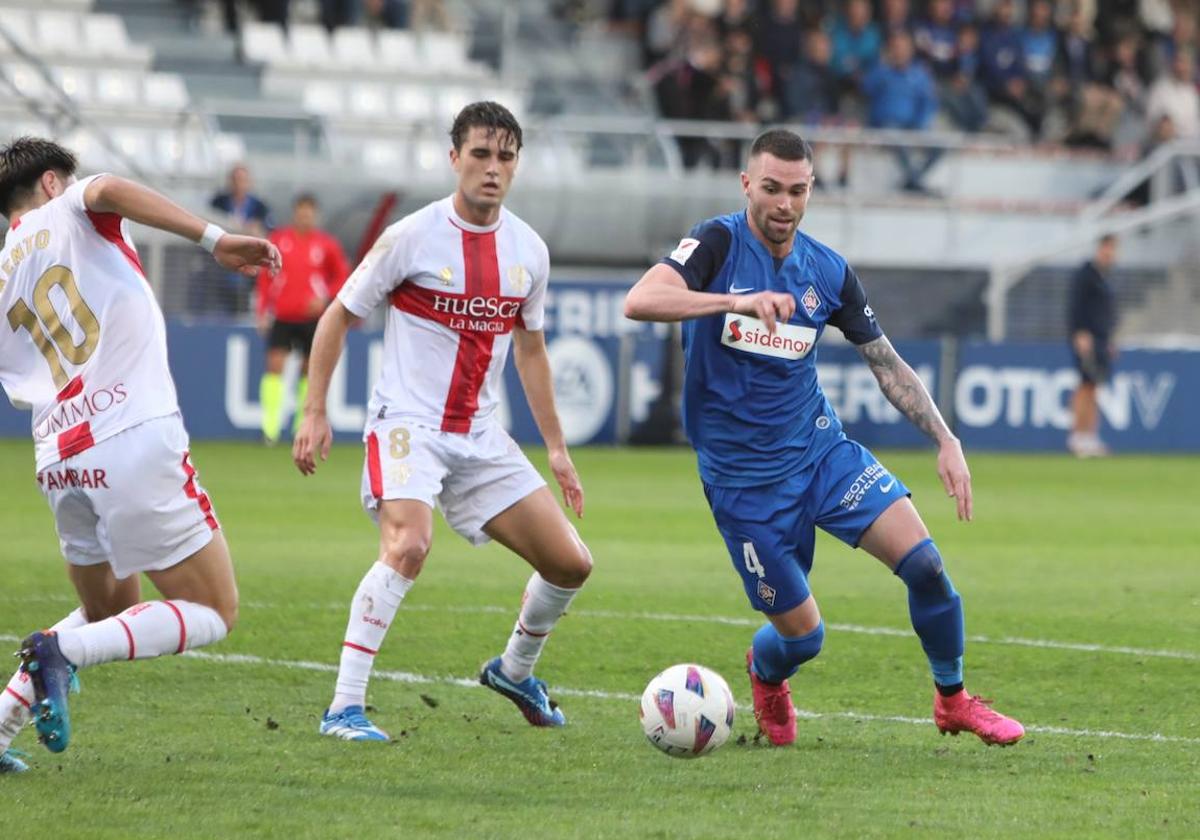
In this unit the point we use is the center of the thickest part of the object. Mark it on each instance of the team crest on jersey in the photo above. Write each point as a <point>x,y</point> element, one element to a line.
<point>518,278</point>
<point>810,301</point>
<point>766,593</point>
<point>446,276</point>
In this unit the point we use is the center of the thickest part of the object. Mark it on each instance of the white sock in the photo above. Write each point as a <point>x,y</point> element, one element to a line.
<point>371,613</point>
<point>145,630</point>
<point>542,606</point>
<point>18,694</point>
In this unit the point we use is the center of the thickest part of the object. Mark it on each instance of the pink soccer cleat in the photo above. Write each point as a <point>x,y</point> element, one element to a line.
<point>773,707</point>
<point>964,712</point>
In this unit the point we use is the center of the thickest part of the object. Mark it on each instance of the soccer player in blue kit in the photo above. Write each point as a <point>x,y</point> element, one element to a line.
<point>755,294</point>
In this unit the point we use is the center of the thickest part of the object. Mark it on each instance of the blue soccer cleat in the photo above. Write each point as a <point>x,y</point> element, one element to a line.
<point>529,695</point>
<point>9,763</point>
<point>53,677</point>
<point>351,724</point>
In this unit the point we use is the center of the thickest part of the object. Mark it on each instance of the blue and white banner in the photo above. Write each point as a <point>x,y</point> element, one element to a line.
<point>592,350</point>
<point>1018,396</point>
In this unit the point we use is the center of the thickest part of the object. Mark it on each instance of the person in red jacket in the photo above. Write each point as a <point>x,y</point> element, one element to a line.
<point>291,303</point>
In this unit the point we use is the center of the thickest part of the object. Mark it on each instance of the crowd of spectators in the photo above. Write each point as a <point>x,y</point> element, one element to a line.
<point>1113,75</point>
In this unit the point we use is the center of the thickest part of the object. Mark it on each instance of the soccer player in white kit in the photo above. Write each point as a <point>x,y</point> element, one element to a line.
<point>83,345</point>
<point>464,279</point>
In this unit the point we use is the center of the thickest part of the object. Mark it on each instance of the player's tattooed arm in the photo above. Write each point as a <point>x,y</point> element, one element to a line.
<point>903,388</point>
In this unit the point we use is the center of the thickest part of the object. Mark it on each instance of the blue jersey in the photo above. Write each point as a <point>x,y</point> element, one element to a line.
<point>752,407</point>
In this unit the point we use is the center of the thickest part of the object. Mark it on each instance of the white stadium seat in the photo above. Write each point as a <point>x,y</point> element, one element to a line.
<point>308,45</point>
<point>165,91</point>
<point>413,103</point>
<point>28,81</point>
<point>19,25</point>
<point>230,148</point>
<point>75,82</point>
<point>117,88</point>
<point>383,155</point>
<point>56,33</point>
<point>263,42</point>
<point>326,99</point>
<point>451,100</point>
<point>353,47</point>
<point>398,51</point>
<point>369,100</point>
<point>105,35</point>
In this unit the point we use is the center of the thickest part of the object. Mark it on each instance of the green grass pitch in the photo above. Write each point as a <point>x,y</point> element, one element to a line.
<point>1081,582</point>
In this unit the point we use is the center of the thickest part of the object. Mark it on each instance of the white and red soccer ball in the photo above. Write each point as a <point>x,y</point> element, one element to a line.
<point>687,711</point>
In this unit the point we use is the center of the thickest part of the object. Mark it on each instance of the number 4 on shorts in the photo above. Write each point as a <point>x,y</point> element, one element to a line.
<point>751,558</point>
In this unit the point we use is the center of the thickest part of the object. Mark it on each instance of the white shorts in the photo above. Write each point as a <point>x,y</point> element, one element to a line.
<point>470,477</point>
<point>131,500</point>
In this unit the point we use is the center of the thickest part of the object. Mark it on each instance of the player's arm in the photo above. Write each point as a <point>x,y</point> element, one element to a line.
<point>112,194</point>
<point>901,385</point>
<point>676,289</point>
<point>315,435</point>
<point>905,390</point>
<point>533,366</point>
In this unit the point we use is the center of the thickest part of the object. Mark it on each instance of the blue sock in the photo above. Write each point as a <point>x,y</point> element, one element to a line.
<point>777,657</point>
<point>936,611</point>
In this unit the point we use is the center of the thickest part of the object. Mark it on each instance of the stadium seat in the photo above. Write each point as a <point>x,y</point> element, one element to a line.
<point>20,26</point>
<point>383,155</point>
<point>28,80</point>
<point>263,42</point>
<point>56,33</point>
<point>308,46</point>
<point>443,52</point>
<point>413,103</point>
<point>165,91</point>
<point>75,82</point>
<point>353,47</point>
<point>369,100</point>
<point>451,100</point>
<point>326,99</point>
<point>398,51</point>
<point>229,148</point>
<point>118,88</point>
<point>105,35</point>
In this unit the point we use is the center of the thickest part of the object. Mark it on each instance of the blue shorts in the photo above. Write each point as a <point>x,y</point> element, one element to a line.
<point>770,530</point>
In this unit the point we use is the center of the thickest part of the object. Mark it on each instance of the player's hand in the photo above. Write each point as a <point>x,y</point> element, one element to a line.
<point>247,254</point>
<point>768,307</point>
<point>956,478</point>
<point>263,324</point>
<point>568,480</point>
<point>315,437</point>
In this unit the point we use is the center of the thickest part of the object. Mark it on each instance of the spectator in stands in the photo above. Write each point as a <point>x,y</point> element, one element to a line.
<point>1174,95</point>
<point>1002,65</point>
<point>291,302</point>
<point>688,88</point>
<point>272,11</point>
<point>747,91</point>
<point>1039,44</point>
<point>736,15</point>
<point>666,30</point>
<point>247,214</point>
<point>1181,36</point>
<point>962,97</point>
<point>780,39</point>
<point>900,94</point>
<point>856,44</point>
<point>895,15</point>
<point>429,15</point>
<point>936,40</point>
<point>812,90</point>
<point>1091,321</point>
<point>1124,74</point>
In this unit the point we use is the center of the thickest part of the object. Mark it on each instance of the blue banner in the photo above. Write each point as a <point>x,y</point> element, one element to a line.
<point>1018,396</point>
<point>603,364</point>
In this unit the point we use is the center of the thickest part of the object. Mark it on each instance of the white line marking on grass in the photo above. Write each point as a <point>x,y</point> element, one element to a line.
<point>731,621</point>
<point>625,697</point>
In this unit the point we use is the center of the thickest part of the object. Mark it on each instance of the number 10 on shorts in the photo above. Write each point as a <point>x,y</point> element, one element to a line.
<point>750,556</point>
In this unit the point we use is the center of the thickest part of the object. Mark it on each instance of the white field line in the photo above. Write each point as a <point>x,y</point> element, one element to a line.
<point>733,621</point>
<point>626,697</point>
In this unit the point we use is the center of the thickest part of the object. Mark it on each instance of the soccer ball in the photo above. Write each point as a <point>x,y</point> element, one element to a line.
<point>687,711</point>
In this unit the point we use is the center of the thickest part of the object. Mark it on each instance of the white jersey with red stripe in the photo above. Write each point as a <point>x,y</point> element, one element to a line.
<point>456,291</point>
<point>83,343</point>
